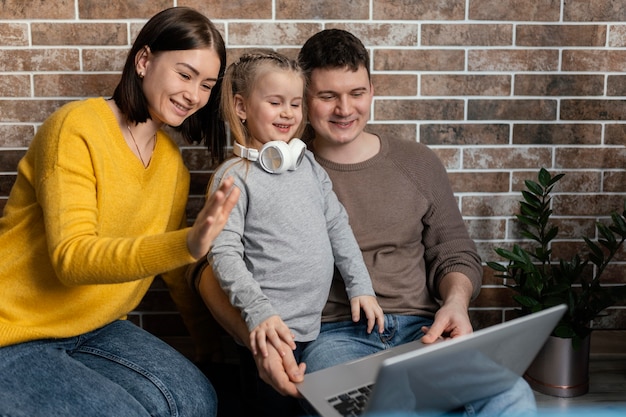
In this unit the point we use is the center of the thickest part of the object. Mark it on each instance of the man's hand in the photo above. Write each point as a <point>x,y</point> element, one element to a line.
<point>373,312</point>
<point>281,372</point>
<point>452,318</point>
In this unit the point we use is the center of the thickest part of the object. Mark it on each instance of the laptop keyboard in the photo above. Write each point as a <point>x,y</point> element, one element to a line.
<point>351,403</point>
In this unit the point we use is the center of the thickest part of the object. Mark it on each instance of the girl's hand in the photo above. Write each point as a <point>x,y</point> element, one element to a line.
<point>373,312</point>
<point>276,332</point>
<point>212,218</point>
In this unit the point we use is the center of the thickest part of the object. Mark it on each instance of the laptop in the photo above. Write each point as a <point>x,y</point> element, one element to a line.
<point>434,378</point>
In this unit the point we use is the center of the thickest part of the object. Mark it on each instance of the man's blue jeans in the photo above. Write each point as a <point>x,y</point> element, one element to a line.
<point>346,341</point>
<point>118,370</point>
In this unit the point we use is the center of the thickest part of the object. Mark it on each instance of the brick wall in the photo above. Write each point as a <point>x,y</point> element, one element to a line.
<point>498,88</point>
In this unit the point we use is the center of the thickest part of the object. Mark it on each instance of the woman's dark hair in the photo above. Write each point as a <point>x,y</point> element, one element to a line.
<point>177,29</point>
<point>331,49</point>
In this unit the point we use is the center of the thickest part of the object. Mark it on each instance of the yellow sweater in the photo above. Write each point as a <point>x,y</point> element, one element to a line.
<point>82,234</point>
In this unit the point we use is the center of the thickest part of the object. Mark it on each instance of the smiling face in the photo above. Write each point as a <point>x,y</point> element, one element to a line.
<point>339,101</point>
<point>177,83</point>
<point>273,109</point>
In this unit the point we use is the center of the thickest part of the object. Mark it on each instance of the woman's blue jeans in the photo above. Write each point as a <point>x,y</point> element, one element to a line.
<point>118,370</point>
<point>345,341</point>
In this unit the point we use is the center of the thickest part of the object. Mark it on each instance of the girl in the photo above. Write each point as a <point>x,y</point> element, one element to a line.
<point>97,210</point>
<point>275,257</point>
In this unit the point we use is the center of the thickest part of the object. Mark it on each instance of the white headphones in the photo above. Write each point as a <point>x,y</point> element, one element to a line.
<point>275,156</point>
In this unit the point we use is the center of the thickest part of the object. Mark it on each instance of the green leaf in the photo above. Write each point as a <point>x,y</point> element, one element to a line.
<point>544,177</point>
<point>497,266</point>
<point>556,179</point>
<point>597,251</point>
<point>529,210</point>
<point>551,234</point>
<point>533,187</point>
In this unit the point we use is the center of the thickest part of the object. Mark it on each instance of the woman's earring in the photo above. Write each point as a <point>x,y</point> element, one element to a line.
<point>140,75</point>
<point>243,121</point>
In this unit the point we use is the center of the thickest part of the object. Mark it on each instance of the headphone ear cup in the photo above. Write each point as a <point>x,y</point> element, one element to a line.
<point>275,157</point>
<point>297,148</point>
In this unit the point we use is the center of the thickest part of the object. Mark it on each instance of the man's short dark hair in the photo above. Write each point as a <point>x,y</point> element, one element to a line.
<point>333,48</point>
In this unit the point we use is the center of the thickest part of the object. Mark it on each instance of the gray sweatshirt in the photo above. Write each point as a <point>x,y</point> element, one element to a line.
<point>277,252</point>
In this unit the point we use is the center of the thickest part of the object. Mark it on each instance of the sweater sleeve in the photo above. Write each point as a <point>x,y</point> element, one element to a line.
<point>95,235</point>
<point>348,256</point>
<point>227,260</point>
<point>449,247</point>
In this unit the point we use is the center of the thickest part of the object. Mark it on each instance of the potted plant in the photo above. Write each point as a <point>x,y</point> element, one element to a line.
<point>540,281</point>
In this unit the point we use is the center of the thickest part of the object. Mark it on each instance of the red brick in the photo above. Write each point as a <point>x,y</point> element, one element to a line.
<point>419,10</point>
<point>381,34</point>
<point>601,158</point>
<point>419,60</point>
<point>28,111</point>
<point>121,9</point>
<point>321,9</point>
<point>486,228</point>
<point>13,136</point>
<point>515,10</point>
<point>574,228</point>
<point>418,110</point>
<point>465,85</point>
<point>394,85</point>
<point>450,157</point>
<point>14,85</point>
<point>39,60</point>
<point>479,182</point>
<point>559,85</point>
<point>594,11</point>
<point>513,60</point>
<point>466,35</point>
<point>104,59</point>
<point>402,131</point>
<point>561,35</point>
<point>616,85</point>
<point>581,109</point>
<point>587,205</point>
<point>614,181</point>
<point>490,205</point>
<point>232,9</point>
<point>615,134</point>
<point>617,36</point>
<point>511,109</point>
<point>464,134</point>
<point>506,158</point>
<point>75,85</point>
<point>79,34</point>
<point>20,9</point>
<point>271,33</point>
<point>597,60</point>
<point>557,134</point>
<point>13,34</point>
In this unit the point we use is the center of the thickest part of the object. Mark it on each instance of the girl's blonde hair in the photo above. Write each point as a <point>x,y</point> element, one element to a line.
<point>241,77</point>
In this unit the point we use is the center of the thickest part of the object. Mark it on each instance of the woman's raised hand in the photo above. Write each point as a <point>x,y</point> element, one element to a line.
<point>212,218</point>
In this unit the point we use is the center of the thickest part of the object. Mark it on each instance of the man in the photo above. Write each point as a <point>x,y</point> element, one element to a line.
<point>423,265</point>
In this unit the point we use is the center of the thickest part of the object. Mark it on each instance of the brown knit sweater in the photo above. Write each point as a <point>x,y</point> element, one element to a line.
<point>408,226</point>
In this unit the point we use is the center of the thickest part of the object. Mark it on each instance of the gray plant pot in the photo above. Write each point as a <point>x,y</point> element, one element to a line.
<point>559,370</point>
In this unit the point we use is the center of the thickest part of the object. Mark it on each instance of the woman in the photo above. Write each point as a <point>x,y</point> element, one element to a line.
<point>97,210</point>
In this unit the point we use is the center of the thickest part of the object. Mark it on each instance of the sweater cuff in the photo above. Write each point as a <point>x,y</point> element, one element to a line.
<point>194,272</point>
